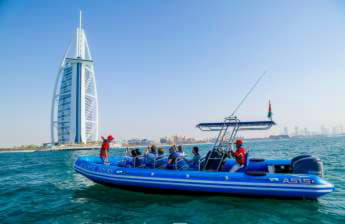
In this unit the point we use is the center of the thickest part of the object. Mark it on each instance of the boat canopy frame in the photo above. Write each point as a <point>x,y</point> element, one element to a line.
<point>229,127</point>
<point>234,122</point>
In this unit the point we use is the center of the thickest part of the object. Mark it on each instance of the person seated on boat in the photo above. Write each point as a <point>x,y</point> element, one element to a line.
<point>180,151</point>
<point>239,155</point>
<point>133,153</point>
<point>150,156</point>
<point>175,160</point>
<point>172,158</point>
<point>194,162</point>
<point>153,152</point>
<point>130,161</point>
<point>137,151</point>
<point>137,159</point>
<point>160,154</point>
<point>104,152</point>
<point>160,159</point>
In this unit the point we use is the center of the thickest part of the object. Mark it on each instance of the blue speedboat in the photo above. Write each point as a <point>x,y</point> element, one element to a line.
<point>300,177</point>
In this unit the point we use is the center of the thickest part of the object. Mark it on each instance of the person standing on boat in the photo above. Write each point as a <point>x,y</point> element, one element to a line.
<point>239,155</point>
<point>104,152</point>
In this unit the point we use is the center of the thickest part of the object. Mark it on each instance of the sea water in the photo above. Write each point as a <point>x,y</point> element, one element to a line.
<point>42,187</point>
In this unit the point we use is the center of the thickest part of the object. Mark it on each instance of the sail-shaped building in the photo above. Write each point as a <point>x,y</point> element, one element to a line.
<point>74,113</point>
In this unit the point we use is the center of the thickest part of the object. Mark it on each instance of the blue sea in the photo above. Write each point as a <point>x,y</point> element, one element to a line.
<point>42,187</point>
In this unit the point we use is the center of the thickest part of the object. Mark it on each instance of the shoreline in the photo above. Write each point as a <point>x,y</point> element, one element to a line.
<point>79,147</point>
<point>94,147</point>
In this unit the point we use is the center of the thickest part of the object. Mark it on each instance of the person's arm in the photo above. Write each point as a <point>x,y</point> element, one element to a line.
<point>169,160</point>
<point>238,155</point>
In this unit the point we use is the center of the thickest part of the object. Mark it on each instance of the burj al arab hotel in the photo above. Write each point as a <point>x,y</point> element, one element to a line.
<point>74,113</point>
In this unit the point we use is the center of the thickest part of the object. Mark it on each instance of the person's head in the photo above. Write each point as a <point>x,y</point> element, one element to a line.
<point>160,151</point>
<point>195,150</point>
<point>110,138</point>
<point>172,149</point>
<point>133,153</point>
<point>137,152</point>
<point>238,143</point>
<point>179,148</point>
<point>153,149</point>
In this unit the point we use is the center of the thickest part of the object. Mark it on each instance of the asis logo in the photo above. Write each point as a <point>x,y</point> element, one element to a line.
<point>298,181</point>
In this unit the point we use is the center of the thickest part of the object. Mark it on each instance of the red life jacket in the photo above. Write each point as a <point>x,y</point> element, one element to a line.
<point>240,155</point>
<point>104,149</point>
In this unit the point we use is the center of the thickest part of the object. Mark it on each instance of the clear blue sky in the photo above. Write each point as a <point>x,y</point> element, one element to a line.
<point>163,66</point>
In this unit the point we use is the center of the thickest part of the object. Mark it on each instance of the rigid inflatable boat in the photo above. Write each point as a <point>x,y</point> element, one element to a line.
<point>300,177</point>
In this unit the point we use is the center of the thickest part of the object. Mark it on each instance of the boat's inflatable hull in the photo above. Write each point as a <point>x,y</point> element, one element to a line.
<point>171,181</point>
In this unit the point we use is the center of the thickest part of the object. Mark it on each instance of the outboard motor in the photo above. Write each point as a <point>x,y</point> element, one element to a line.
<point>307,164</point>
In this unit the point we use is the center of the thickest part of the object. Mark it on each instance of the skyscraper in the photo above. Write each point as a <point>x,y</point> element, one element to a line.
<point>74,113</point>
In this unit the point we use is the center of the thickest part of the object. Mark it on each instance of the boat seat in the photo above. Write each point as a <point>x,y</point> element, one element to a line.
<point>252,165</point>
<point>161,162</point>
<point>139,162</point>
<point>158,163</point>
<point>127,161</point>
<point>228,164</point>
<point>256,165</point>
<point>149,165</point>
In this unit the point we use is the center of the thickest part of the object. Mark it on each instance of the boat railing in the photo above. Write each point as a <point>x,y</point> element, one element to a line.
<point>139,157</point>
<point>126,152</point>
<point>201,160</point>
<point>154,163</point>
<point>219,148</point>
<point>179,160</point>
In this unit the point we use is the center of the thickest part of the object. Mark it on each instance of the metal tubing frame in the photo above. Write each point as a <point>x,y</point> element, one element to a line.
<point>222,145</point>
<point>219,143</point>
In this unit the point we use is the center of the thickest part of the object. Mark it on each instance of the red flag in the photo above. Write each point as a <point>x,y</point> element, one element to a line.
<point>269,115</point>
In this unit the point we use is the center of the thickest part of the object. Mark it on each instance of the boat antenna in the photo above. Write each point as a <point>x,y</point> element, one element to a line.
<point>245,97</point>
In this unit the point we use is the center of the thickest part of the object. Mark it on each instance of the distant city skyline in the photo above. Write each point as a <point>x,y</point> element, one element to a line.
<point>164,66</point>
<point>323,130</point>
